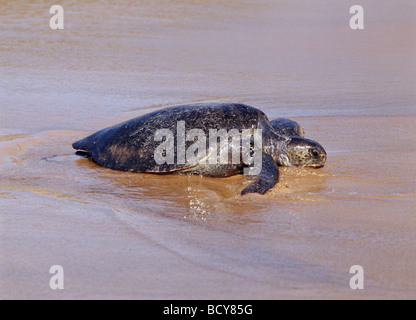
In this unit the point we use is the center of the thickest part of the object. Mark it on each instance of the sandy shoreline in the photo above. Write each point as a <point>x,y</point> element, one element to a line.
<point>123,235</point>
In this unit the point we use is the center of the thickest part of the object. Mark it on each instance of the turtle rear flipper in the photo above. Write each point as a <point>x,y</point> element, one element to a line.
<point>84,154</point>
<point>85,144</point>
<point>267,179</point>
<point>85,147</point>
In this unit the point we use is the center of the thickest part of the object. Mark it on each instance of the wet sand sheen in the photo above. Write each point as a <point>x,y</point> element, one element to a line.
<point>129,235</point>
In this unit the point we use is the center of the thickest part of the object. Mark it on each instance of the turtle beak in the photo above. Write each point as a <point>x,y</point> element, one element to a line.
<point>322,160</point>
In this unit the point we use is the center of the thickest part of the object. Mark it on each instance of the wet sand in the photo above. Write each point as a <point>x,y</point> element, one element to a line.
<point>127,235</point>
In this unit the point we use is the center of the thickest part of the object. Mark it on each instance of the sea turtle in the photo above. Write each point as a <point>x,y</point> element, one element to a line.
<point>184,139</point>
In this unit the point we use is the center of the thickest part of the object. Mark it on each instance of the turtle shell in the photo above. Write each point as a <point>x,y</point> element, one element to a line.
<point>131,145</point>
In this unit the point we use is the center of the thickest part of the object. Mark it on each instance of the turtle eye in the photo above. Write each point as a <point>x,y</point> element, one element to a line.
<point>314,152</point>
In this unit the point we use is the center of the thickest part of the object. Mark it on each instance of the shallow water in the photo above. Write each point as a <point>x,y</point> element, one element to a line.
<point>127,235</point>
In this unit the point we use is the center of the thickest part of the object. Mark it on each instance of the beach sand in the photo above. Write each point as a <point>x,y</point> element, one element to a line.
<point>141,236</point>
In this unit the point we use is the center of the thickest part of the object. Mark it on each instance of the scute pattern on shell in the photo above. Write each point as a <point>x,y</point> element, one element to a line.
<point>130,146</point>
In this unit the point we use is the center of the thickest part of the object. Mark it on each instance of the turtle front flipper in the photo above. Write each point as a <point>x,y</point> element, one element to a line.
<point>287,127</point>
<point>266,179</point>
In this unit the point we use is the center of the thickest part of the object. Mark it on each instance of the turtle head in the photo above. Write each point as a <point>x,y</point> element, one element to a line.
<point>303,152</point>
